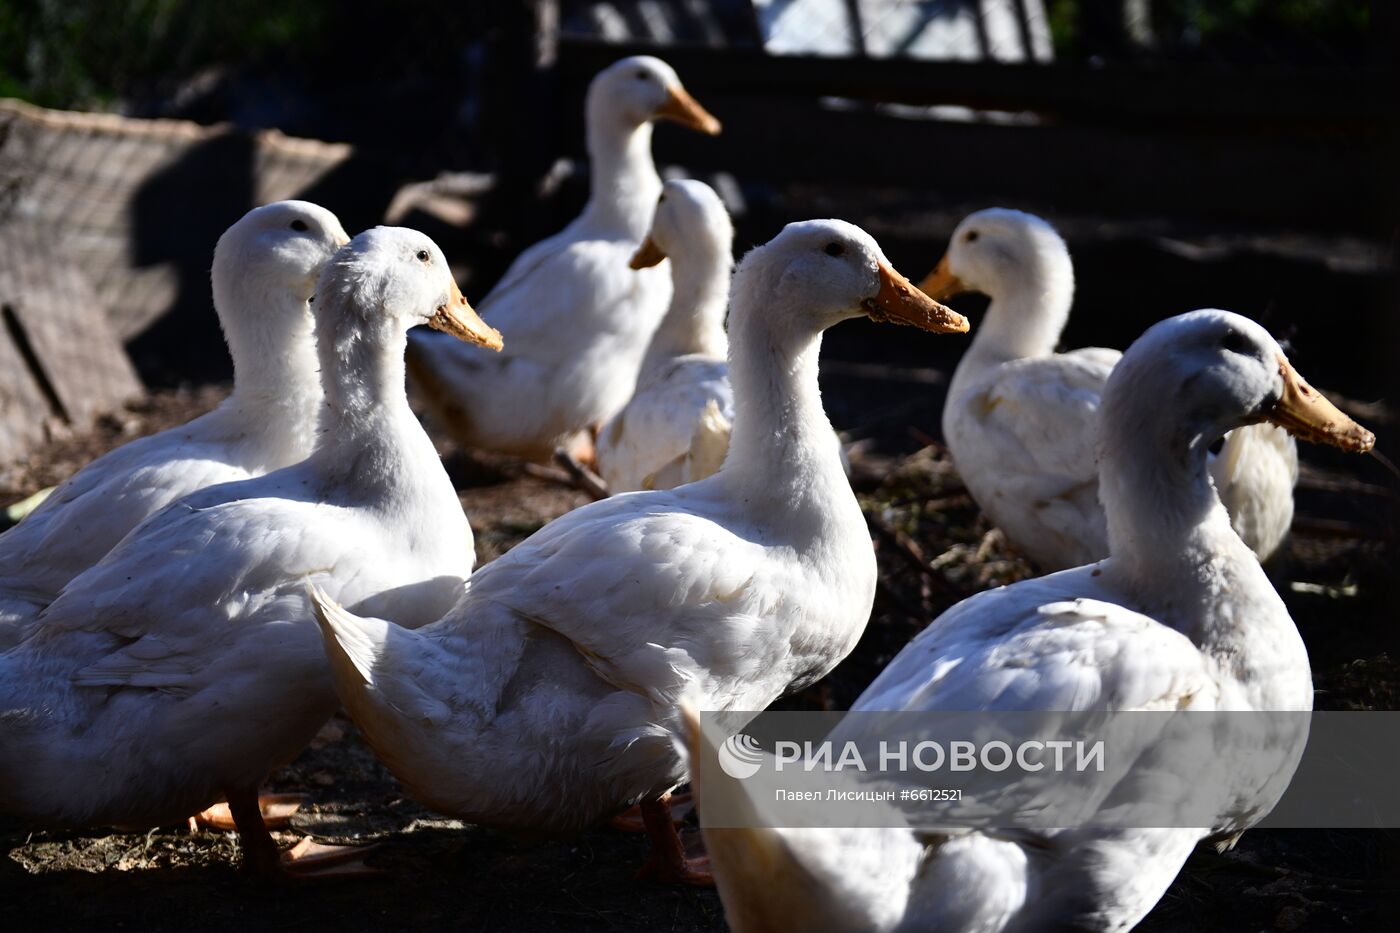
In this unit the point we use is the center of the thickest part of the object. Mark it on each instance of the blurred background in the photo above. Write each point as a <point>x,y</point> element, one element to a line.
<point>1230,153</point>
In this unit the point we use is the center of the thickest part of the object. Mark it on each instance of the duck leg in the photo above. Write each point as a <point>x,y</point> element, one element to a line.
<point>260,855</point>
<point>306,860</point>
<point>583,446</point>
<point>667,862</point>
<point>277,811</point>
<point>630,820</point>
<point>583,477</point>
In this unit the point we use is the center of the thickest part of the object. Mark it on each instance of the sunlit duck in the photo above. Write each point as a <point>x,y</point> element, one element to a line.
<point>1181,616</point>
<point>265,268</point>
<point>676,427</point>
<point>576,319</point>
<point>186,665</point>
<point>562,664</point>
<point>1020,419</point>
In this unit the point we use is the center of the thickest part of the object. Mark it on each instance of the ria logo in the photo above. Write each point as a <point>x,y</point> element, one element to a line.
<point>740,756</point>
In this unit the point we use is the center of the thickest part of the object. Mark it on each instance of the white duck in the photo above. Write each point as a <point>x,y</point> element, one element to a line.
<point>1181,616</point>
<point>683,409</point>
<point>186,665</point>
<point>576,320</point>
<point>1020,419</point>
<point>265,269</point>
<point>564,660</point>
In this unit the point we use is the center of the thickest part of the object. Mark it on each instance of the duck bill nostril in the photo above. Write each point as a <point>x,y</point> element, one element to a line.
<point>458,318</point>
<point>1307,414</point>
<point>899,302</point>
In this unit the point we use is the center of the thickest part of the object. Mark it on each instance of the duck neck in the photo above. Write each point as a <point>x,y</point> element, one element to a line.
<point>694,323</point>
<point>1024,320</point>
<point>369,435</point>
<point>623,182</point>
<point>276,387</point>
<point>1165,522</point>
<point>782,446</point>
<point>1176,555</point>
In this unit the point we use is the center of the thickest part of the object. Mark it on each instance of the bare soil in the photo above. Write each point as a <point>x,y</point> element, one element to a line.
<point>933,547</point>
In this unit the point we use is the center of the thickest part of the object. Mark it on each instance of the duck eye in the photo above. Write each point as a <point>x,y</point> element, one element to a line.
<point>299,226</point>
<point>970,236</point>
<point>1234,342</point>
<point>641,75</point>
<point>423,255</point>
<point>835,249</point>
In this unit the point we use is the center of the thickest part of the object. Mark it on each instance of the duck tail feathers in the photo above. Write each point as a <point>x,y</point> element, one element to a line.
<point>353,644</point>
<point>373,663</point>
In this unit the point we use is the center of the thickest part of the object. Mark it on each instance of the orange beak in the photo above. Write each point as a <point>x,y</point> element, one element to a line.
<point>899,301</point>
<point>686,110</point>
<point>1305,413</point>
<point>461,321</point>
<point>647,255</point>
<point>941,284</point>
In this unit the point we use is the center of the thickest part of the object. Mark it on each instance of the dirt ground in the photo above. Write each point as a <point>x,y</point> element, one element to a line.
<point>933,548</point>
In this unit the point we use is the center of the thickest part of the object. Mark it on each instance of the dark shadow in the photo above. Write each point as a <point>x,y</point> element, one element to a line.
<point>176,218</point>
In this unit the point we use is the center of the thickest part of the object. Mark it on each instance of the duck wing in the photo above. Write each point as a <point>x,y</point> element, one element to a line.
<point>653,596</point>
<point>1027,450</point>
<point>1039,645</point>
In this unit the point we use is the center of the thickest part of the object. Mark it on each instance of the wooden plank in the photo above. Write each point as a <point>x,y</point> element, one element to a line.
<point>1320,179</point>
<point>115,192</point>
<point>23,407</point>
<point>57,339</point>
<point>1266,146</point>
<point>1114,92</point>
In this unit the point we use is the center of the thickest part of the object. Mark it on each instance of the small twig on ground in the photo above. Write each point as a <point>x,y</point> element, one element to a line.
<point>928,440</point>
<point>990,541</point>
<point>913,555</point>
<point>547,473</point>
<point>942,504</point>
<point>581,476</point>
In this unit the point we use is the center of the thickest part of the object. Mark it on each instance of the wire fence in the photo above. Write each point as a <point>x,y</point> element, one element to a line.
<point>1303,33</point>
<point>266,63</point>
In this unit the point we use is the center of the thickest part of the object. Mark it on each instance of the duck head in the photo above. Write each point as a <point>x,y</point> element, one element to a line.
<point>689,218</point>
<point>640,89</point>
<point>1217,371</point>
<point>400,275</point>
<point>264,273</point>
<point>826,271</point>
<point>995,250</point>
<point>279,248</point>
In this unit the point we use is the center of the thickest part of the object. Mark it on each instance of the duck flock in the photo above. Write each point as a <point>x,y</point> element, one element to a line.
<point>180,617</point>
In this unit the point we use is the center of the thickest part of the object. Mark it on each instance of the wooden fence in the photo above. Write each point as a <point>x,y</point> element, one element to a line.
<point>1280,146</point>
